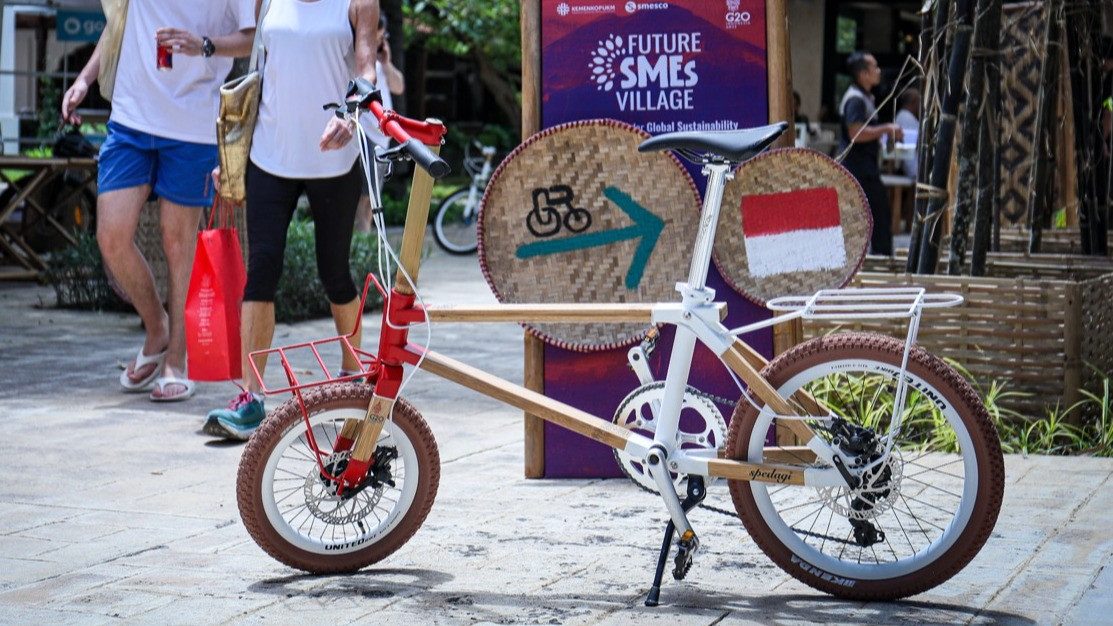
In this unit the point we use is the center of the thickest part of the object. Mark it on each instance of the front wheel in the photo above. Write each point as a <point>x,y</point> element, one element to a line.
<point>290,508</point>
<point>919,516</point>
<point>456,224</point>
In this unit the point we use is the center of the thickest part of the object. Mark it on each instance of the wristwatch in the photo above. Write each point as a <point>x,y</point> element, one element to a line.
<point>207,47</point>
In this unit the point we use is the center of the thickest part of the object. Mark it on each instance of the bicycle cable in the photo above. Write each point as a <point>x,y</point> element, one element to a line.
<point>385,254</point>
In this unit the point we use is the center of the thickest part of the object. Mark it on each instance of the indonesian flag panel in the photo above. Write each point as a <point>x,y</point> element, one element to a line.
<point>793,231</point>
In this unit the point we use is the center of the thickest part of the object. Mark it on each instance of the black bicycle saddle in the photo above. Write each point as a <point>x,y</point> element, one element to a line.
<point>733,145</point>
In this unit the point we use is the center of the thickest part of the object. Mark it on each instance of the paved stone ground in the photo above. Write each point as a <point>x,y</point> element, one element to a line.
<point>117,510</point>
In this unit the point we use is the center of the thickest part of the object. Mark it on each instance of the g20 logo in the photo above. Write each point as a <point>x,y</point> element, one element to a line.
<point>738,18</point>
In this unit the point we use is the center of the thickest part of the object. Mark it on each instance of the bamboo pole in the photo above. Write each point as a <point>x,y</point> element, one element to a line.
<point>989,149</point>
<point>534,349</point>
<point>1038,192</point>
<point>945,138</point>
<point>972,123</point>
<point>932,45</point>
<point>1081,22</point>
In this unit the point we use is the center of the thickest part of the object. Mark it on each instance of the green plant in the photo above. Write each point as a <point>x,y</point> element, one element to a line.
<point>1100,430</point>
<point>1054,435</point>
<point>49,119</point>
<point>77,275</point>
<point>300,295</point>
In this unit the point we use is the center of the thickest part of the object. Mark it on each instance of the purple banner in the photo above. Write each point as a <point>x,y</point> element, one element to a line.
<point>663,67</point>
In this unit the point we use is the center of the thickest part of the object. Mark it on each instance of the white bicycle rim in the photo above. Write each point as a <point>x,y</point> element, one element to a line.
<point>771,498</point>
<point>292,462</point>
<point>452,241</point>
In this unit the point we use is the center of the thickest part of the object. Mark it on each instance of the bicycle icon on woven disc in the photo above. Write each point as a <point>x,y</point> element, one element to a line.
<point>545,219</point>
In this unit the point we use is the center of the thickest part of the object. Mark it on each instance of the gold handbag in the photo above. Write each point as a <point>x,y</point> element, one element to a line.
<point>115,15</point>
<point>239,107</point>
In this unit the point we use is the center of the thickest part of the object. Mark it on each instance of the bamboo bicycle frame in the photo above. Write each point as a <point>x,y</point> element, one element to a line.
<point>697,318</point>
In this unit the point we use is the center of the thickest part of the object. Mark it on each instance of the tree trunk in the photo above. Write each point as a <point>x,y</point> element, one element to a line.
<point>502,90</point>
<point>968,146</point>
<point>989,174</point>
<point>1081,21</point>
<point>945,138</point>
<point>1038,191</point>
<point>933,38</point>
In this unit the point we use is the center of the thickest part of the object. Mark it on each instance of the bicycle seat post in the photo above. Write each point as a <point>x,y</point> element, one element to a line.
<point>717,173</point>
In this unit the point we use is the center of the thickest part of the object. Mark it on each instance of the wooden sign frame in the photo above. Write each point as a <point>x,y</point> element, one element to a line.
<point>779,76</point>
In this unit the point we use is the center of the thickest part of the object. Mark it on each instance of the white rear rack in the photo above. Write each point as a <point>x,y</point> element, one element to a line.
<point>863,303</point>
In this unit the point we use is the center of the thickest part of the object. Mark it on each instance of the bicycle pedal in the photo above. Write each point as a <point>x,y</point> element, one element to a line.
<point>686,548</point>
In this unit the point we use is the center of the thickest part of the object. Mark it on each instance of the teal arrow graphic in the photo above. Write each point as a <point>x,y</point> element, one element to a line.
<point>646,225</point>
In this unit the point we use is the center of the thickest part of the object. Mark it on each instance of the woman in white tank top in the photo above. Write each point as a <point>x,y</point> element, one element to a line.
<point>312,48</point>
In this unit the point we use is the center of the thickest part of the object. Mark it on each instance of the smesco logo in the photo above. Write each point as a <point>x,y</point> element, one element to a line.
<point>648,71</point>
<point>646,6</point>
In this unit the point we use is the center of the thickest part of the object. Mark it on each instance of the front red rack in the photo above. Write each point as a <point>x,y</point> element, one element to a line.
<point>320,373</point>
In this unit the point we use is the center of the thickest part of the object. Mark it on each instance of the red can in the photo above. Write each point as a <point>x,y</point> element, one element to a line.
<point>165,58</point>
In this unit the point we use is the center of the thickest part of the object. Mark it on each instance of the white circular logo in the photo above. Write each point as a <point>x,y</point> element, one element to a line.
<point>603,62</point>
<point>72,26</point>
<point>631,7</point>
<point>562,9</point>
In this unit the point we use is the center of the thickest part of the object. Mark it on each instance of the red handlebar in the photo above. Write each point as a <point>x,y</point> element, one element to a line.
<point>402,129</point>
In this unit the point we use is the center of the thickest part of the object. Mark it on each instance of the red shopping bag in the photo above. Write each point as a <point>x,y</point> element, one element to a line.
<point>212,309</point>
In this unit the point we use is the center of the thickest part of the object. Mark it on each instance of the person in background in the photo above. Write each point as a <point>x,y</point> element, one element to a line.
<point>391,83</point>
<point>312,51</point>
<point>861,146</point>
<point>909,122</point>
<point>161,141</point>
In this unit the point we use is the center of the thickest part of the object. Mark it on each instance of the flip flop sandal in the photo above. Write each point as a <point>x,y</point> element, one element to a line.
<point>160,386</point>
<point>141,361</point>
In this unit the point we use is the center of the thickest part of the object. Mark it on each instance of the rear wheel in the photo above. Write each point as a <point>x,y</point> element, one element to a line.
<point>456,226</point>
<point>919,517</point>
<point>290,508</point>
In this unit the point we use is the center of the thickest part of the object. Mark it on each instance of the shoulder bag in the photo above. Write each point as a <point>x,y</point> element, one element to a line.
<point>115,16</point>
<point>239,107</point>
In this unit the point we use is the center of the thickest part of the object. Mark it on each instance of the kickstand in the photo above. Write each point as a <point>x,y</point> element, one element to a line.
<point>688,545</point>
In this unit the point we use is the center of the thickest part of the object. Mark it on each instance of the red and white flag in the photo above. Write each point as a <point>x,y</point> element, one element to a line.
<point>794,231</point>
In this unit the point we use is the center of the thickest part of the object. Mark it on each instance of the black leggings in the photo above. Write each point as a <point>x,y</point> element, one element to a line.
<point>271,201</point>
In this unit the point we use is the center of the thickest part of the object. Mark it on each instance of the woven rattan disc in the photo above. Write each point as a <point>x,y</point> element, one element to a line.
<point>793,222</point>
<point>577,214</point>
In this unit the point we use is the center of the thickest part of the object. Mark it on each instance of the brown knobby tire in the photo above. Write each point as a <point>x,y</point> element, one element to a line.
<point>284,500</point>
<point>947,491</point>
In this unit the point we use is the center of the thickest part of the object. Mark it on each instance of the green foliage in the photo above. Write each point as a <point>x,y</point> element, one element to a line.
<point>1083,428</point>
<point>300,295</point>
<point>77,275</point>
<point>394,210</point>
<point>486,32</point>
<point>464,27</point>
<point>49,115</point>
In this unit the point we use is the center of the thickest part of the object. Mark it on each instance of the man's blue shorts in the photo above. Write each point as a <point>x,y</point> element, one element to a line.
<point>176,170</point>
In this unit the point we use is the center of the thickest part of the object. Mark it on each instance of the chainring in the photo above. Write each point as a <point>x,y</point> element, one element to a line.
<point>701,426</point>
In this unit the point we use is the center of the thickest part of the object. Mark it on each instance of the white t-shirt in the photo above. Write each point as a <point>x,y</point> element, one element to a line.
<point>181,103</point>
<point>310,57</point>
<point>911,126</point>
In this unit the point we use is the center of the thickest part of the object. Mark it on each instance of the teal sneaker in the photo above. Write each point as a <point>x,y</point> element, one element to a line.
<point>238,421</point>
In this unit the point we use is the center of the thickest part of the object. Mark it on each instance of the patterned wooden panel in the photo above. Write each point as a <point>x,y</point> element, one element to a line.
<point>1022,48</point>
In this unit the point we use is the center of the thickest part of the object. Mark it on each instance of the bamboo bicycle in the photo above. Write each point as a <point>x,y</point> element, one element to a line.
<point>860,464</point>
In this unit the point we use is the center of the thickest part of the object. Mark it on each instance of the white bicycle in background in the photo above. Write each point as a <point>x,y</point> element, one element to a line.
<point>457,218</point>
